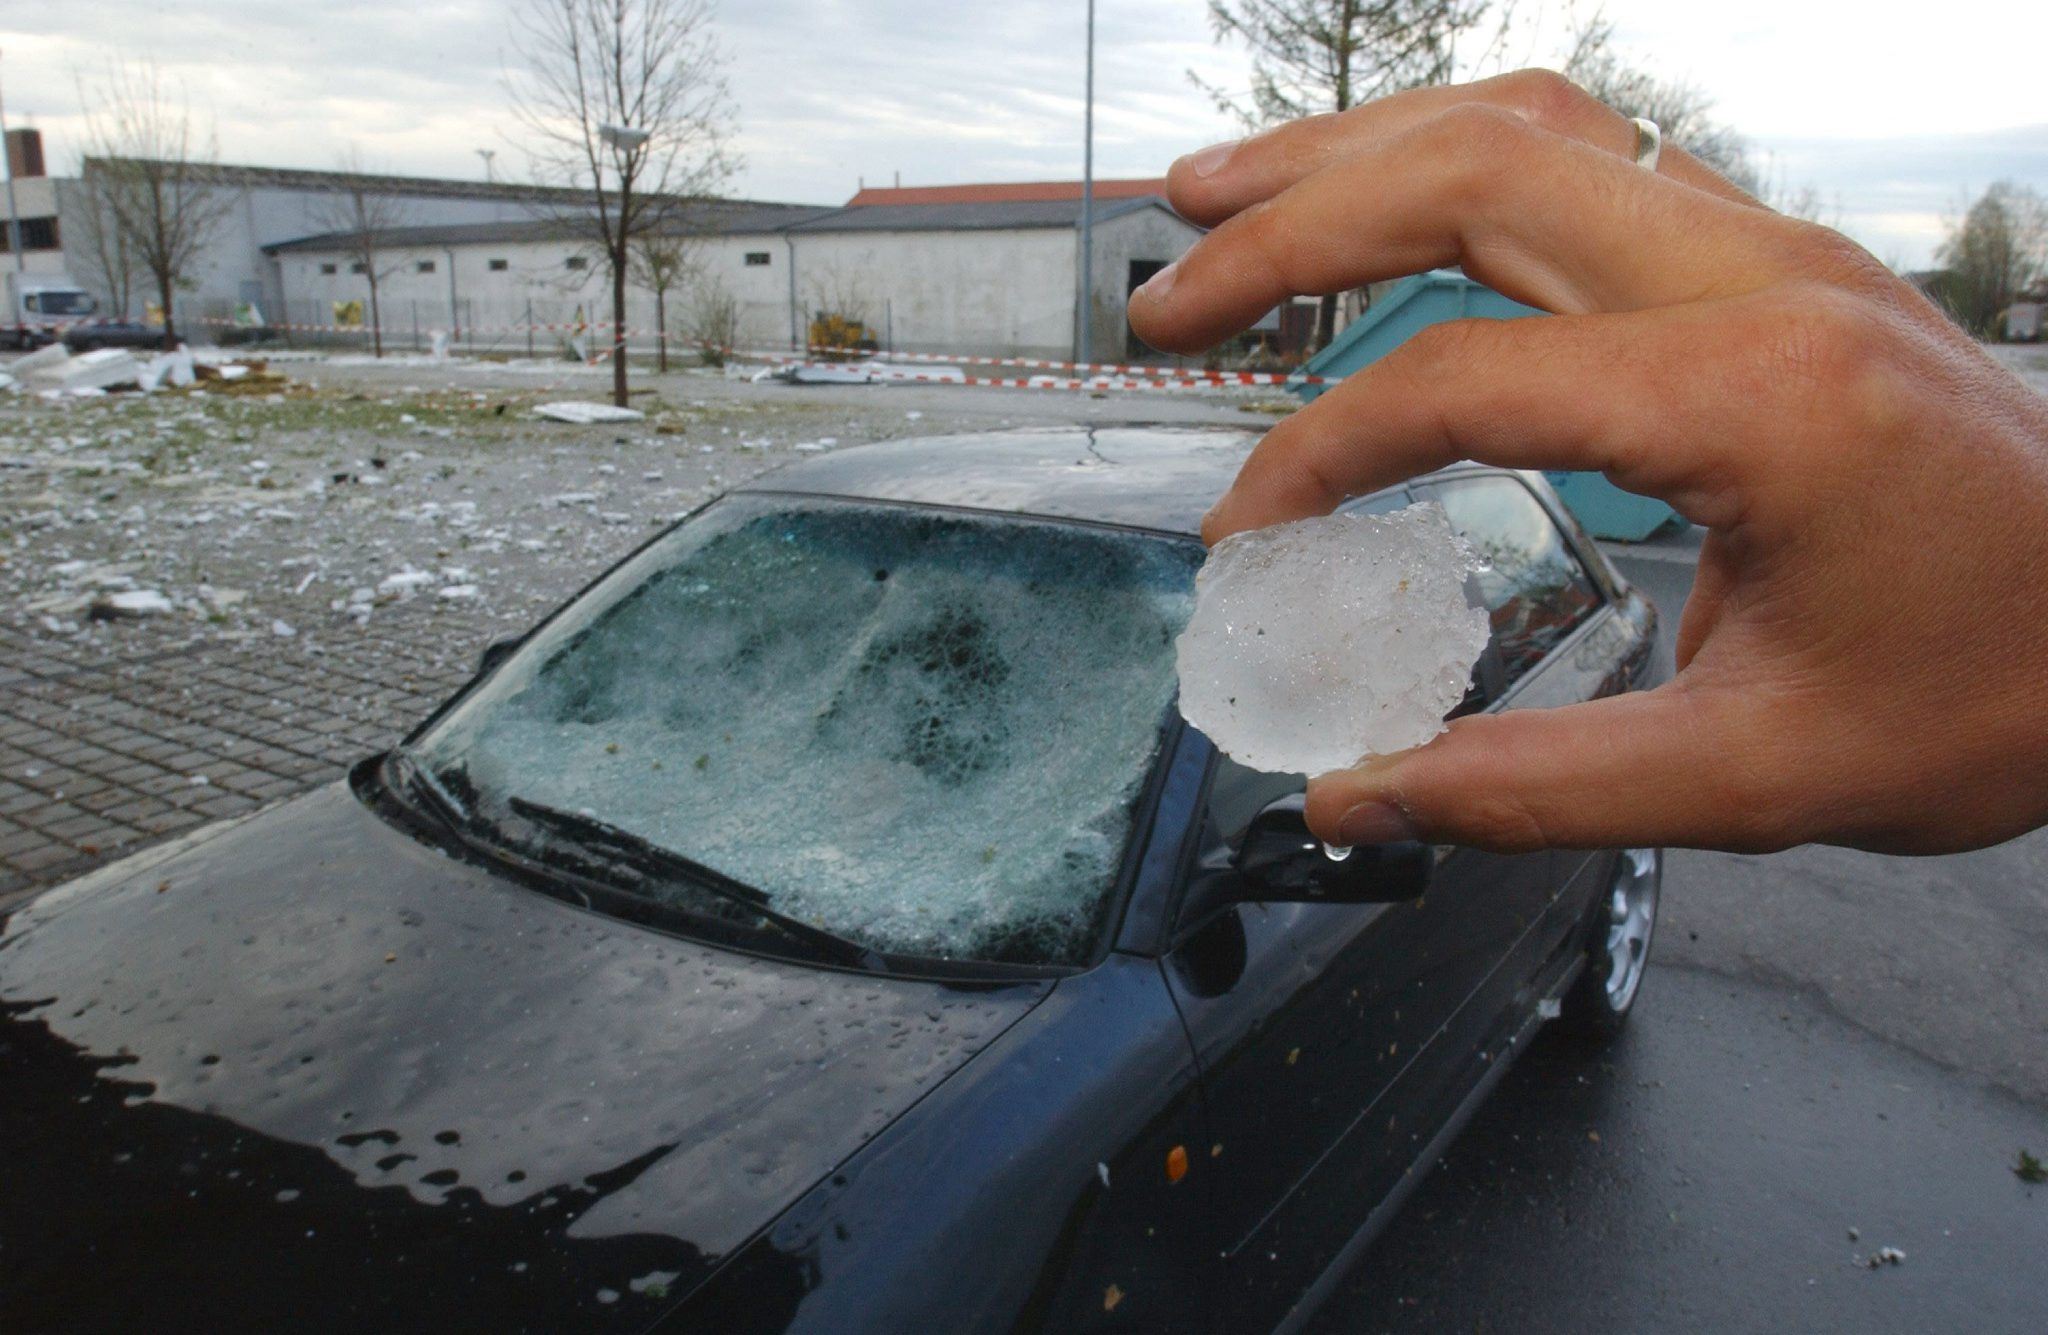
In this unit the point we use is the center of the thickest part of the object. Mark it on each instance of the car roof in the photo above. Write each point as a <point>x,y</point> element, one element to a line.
<point>1155,477</point>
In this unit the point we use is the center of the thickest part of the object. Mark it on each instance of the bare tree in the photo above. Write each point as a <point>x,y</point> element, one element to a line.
<point>364,217</point>
<point>1997,250</point>
<point>1685,114</point>
<point>658,261</point>
<point>626,100</point>
<point>101,246</point>
<point>714,320</point>
<point>152,170</point>
<point>1311,56</point>
<point>1682,111</point>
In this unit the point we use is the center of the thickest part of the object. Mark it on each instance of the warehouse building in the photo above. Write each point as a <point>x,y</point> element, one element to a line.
<point>987,269</point>
<point>975,269</point>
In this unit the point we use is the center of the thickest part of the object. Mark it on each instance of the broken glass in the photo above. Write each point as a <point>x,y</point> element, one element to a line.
<point>923,730</point>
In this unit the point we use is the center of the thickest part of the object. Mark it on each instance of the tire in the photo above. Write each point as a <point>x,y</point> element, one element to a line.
<point>1619,930</point>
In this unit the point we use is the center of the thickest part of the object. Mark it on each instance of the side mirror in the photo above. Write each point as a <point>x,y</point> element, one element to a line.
<point>1280,861</point>
<point>496,652</point>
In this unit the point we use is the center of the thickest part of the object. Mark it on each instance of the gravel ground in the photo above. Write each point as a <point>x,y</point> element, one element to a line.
<point>208,602</point>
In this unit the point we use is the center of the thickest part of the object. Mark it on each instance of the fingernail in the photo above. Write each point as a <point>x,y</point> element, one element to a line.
<point>1207,161</point>
<point>1375,823</point>
<point>1159,284</point>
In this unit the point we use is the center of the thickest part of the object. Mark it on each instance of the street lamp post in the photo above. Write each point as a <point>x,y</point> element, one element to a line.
<point>1084,305</point>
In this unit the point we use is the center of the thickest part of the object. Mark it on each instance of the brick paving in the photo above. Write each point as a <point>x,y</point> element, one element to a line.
<point>103,754</point>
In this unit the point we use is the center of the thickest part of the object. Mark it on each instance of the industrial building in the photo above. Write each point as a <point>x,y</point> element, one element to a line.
<point>989,270</point>
<point>979,269</point>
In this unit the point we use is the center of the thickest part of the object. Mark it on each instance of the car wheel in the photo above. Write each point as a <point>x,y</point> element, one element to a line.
<point>1624,919</point>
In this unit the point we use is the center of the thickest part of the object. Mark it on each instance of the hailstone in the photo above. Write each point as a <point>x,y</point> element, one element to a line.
<point>1318,643</point>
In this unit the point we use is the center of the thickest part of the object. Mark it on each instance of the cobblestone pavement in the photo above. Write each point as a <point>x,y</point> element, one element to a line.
<point>100,756</point>
<point>209,604</point>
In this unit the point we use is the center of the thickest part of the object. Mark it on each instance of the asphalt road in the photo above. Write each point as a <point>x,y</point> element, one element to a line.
<point>1834,1053</point>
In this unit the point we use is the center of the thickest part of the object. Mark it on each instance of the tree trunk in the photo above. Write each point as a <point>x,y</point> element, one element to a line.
<point>376,320</point>
<point>619,328</point>
<point>163,291</point>
<point>661,330</point>
<point>1326,321</point>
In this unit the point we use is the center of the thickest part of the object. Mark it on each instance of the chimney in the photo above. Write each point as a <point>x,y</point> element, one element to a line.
<point>24,153</point>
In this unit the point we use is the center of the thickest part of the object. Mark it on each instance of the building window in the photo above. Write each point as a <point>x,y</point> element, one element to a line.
<point>359,267</point>
<point>499,266</point>
<point>36,234</point>
<point>576,262</point>
<point>423,266</point>
<point>757,257</point>
<point>327,268</point>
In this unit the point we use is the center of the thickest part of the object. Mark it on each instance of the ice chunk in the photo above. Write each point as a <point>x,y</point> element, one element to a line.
<point>1318,643</point>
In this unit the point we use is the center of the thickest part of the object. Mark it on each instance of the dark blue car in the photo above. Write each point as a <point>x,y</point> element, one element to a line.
<point>823,922</point>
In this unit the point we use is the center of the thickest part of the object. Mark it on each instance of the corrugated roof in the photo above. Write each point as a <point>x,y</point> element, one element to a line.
<point>1004,192</point>
<point>725,218</point>
<point>236,176</point>
<point>969,217</point>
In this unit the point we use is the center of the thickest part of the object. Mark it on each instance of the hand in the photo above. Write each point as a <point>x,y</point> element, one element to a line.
<point>1864,656</point>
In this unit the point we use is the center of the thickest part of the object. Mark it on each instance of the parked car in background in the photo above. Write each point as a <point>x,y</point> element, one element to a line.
<point>87,335</point>
<point>823,922</point>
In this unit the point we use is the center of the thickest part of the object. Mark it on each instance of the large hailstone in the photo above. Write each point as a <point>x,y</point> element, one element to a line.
<point>1318,643</point>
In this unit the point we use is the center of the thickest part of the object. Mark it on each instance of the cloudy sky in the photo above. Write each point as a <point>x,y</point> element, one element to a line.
<point>1896,114</point>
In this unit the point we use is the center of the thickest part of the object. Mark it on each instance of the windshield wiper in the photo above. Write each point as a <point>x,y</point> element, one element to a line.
<point>630,851</point>
<point>426,790</point>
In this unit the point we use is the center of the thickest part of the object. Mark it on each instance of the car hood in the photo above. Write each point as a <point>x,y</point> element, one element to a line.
<point>309,1069</point>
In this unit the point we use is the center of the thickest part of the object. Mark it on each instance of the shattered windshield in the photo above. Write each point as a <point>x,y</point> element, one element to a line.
<point>923,730</point>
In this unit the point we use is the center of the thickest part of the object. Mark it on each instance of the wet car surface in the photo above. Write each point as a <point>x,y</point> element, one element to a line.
<point>352,1063</point>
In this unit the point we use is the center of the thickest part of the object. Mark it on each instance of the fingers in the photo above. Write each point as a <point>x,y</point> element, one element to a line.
<point>1539,217</point>
<point>1591,393</point>
<point>1630,770</point>
<point>1224,179</point>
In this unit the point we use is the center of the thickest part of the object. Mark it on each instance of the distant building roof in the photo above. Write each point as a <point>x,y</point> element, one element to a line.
<point>716,217</point>
<point>971,215</point>
<point>300,178</point>
<point>1004,192</point>
<point>739,217</point>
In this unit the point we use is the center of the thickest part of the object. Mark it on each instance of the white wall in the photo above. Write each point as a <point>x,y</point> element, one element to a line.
<point>986,292</point>
<point>535,286</point>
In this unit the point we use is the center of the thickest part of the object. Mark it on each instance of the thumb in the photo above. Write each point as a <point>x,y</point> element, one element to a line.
<point>1644,769</point>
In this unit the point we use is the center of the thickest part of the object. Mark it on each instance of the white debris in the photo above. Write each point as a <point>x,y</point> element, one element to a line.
<point>282,629</point>
<point>1549,1008</point>
<point>405,581</point>
<point>101,369</point>
<point>585,414</point>
<point>40,362</point>
<point>1883,1256</point>
<point>136,602</point>
<point>1318,643</point>
<point>455,591</point>
<point>172,368</point>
